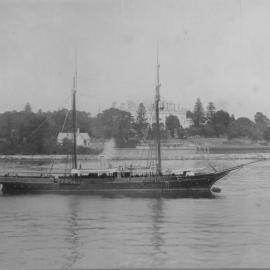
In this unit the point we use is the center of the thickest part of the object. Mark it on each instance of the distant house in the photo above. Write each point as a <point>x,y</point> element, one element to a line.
<point>83,139</point>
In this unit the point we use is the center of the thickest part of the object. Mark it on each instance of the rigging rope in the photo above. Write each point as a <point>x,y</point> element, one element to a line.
<point>67,114</point>
<point>43,122</point>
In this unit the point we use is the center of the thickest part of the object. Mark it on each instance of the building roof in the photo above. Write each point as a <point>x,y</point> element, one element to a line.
<point>69,135</point>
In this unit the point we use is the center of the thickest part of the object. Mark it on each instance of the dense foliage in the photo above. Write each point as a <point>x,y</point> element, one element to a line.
<point>141,125</point>
<point>117,124</point>
<point>172,124</point>
<point>26,132</point>
<point>219,123</point>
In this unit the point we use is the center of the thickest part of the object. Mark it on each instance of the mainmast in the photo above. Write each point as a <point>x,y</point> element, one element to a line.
<point>157,121</point>
<point>74,120</point>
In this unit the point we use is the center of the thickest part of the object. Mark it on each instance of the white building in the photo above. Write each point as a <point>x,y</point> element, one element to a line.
<point>166,108</point>
<point>83,139</point>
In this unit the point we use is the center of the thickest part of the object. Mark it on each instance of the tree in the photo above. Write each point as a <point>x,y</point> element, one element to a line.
<point>266,134</point>
<point>243,127</point>
<point>207,130</point>
<point>172,124</point>
<point>34,133</point>
<point>27,107</point>
<point>141,124</point>
<point>211,109</point>
<point>162,132</point>
<point>220,122</point>
<point>261,121</point>
<point>198,113</point>
<point>189,115</point>
<point>117,124</point>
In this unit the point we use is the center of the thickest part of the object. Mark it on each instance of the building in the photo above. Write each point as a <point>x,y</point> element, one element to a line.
<point>166,108</point>
<point>83,139</point>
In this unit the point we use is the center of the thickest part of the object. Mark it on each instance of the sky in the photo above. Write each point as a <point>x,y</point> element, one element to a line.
<point>215,50</point>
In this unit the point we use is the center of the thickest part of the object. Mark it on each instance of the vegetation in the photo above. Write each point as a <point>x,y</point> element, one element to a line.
<point>197,116</point>
<point>211,109</point>
<point>172,124</point>
<point>117,124</point>
<point>26,132</point>
<point>141,125</point>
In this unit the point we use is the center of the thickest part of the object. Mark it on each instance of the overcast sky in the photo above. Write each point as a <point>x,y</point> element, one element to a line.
<point>216,50</point>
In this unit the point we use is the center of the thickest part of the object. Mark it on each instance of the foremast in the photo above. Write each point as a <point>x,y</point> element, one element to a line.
<point>74,121</point>
<point>157,100</point>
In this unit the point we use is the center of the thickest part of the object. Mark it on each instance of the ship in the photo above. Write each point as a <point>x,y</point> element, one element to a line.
<point>120,180</point>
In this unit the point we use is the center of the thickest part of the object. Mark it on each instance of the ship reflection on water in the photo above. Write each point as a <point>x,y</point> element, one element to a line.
<point>157,238</point>
<point>72,238</point>
<point>168,194</point>
<point>82,224</point>
<point>187,229</point>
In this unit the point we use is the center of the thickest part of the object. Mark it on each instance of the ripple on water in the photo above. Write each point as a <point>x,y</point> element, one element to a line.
<point>229,230</point>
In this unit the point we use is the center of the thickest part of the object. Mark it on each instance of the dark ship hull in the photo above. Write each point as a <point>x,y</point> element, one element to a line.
<point>114,181</point>
<point>143,185</point>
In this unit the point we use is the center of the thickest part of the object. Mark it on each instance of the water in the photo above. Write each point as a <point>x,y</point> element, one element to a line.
<point>231,229</point>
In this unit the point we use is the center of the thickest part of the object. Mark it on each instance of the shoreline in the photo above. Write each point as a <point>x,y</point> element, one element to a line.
<point>199,156</point>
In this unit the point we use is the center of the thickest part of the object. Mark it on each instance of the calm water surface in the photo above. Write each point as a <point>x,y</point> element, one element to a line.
<point>231,229</point>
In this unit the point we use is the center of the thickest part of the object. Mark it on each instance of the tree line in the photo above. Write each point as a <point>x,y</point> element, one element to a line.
<point>219,123</point>
<point>26,132</point>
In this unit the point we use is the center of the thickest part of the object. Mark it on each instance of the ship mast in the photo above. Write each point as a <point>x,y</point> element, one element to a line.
<point>74,120</point>
<point>157,100</point>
